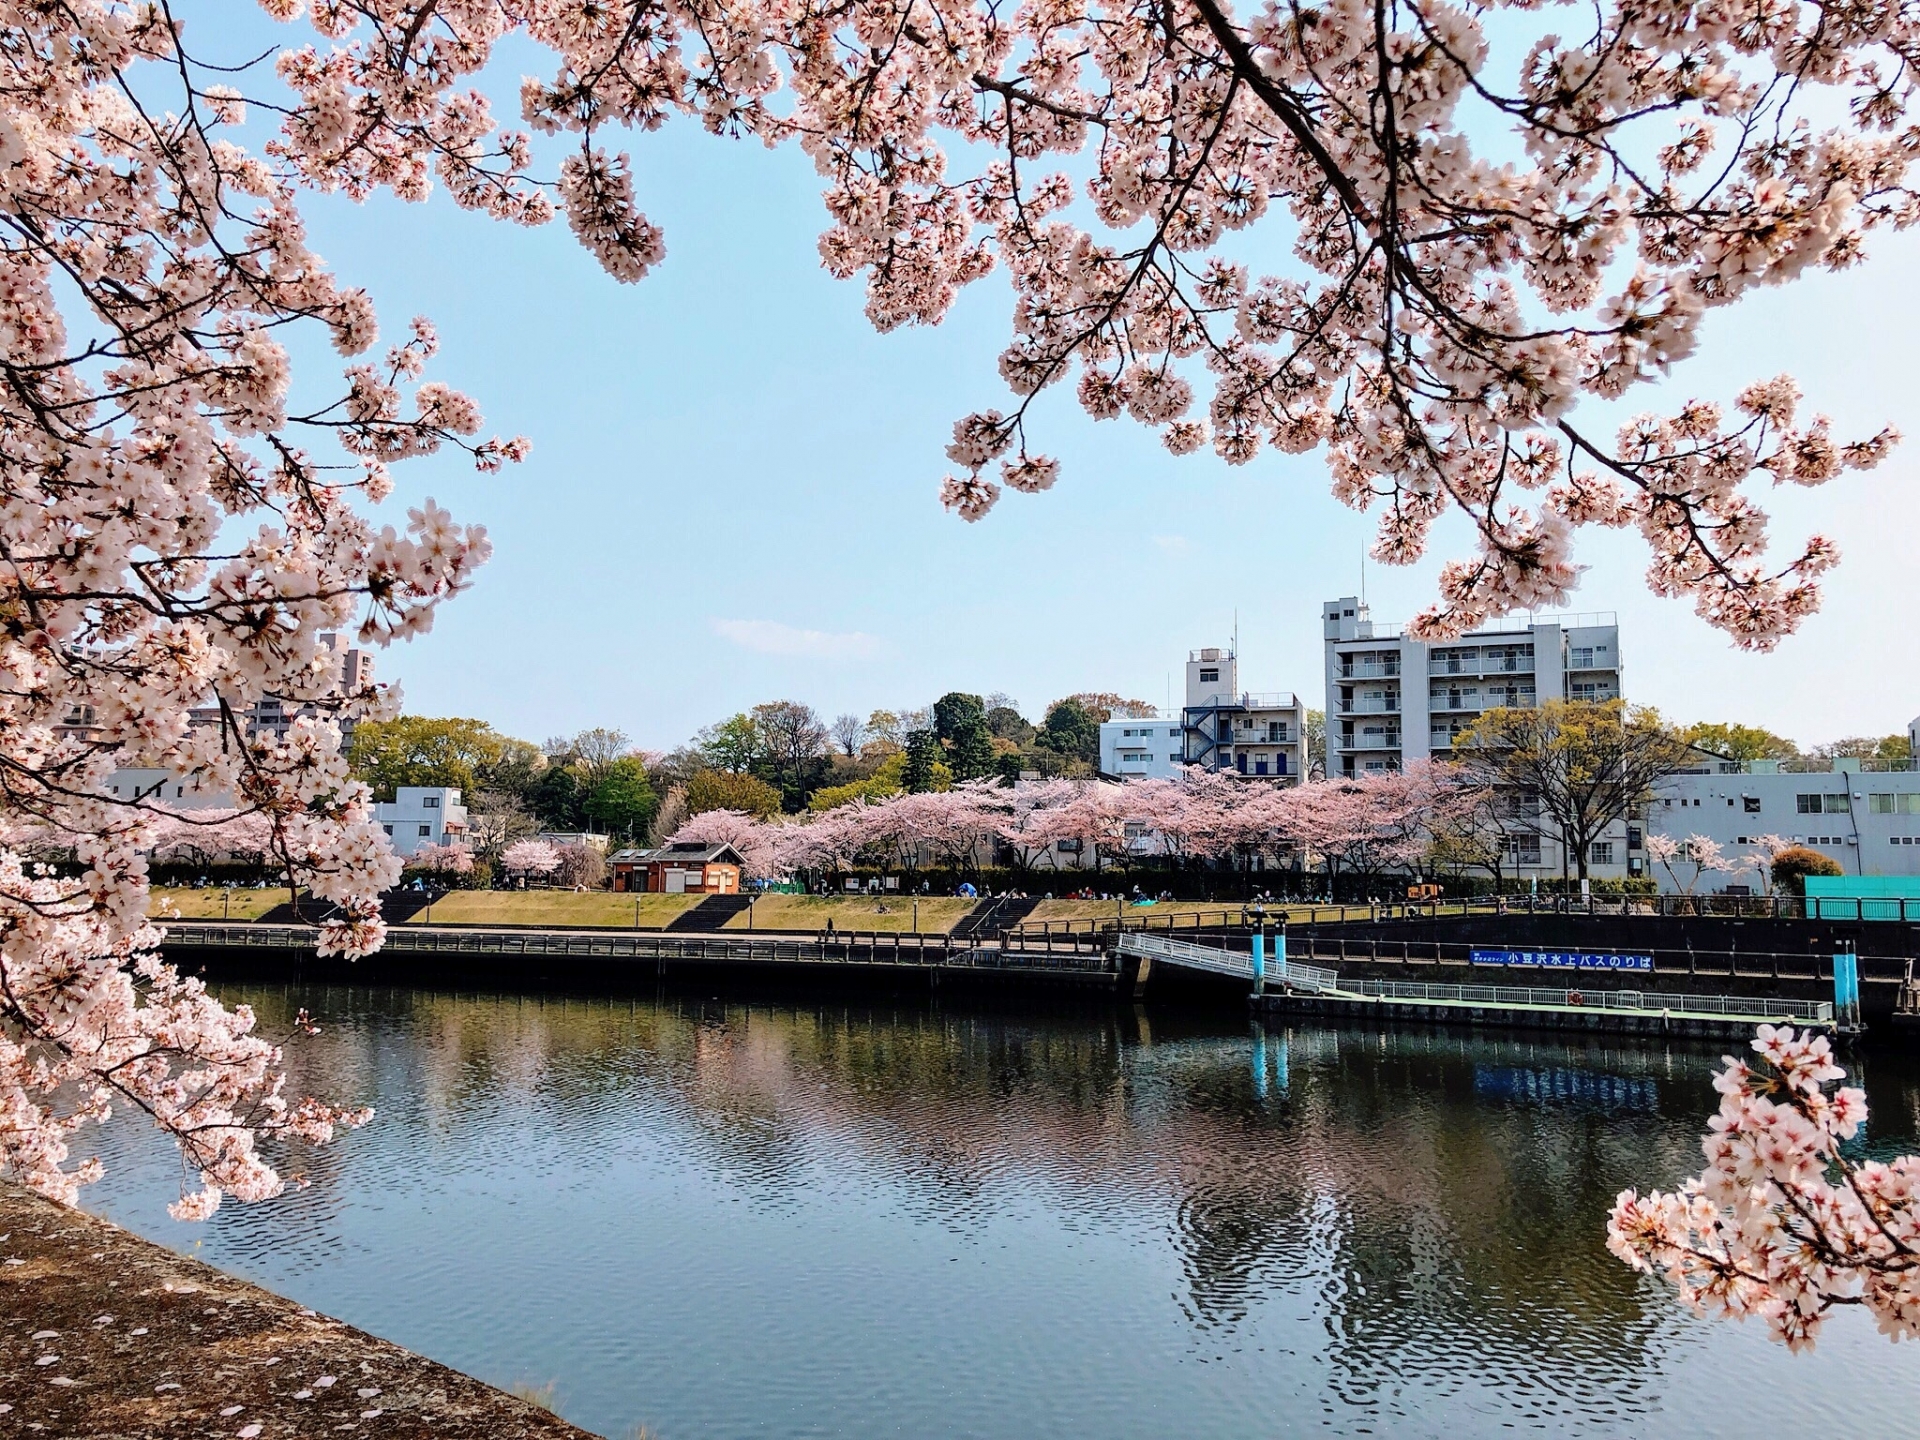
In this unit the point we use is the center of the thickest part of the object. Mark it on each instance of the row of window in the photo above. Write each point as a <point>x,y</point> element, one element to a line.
<point>1908,804</point>
<point>1148,731</point>
<point>1838,804</point>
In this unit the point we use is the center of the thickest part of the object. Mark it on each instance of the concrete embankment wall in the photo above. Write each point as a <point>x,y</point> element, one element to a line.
<point>103,1334</point>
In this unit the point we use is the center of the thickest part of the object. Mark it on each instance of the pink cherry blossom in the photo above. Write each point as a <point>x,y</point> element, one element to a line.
<point>1783,1223</point>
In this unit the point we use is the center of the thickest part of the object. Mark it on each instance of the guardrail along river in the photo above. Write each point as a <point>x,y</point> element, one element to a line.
<point>720,1219</point>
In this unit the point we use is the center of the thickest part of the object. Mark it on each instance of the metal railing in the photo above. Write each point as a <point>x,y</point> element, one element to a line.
<point>1225,962</point>
<point>849,947</point>
<point>1639,1002</point>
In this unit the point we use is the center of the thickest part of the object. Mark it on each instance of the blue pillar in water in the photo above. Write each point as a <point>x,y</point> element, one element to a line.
<point>1846,988</point>
<point>1259,962</point>
<point>1259,1062</point>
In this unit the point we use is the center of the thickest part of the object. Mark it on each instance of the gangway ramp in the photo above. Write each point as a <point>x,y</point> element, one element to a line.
<point>1311,979</point>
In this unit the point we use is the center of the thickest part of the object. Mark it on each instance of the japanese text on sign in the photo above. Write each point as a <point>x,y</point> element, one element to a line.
<point>1562,960</point>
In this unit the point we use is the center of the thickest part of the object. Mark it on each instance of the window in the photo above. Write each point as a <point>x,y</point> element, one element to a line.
<point>1806,804</point>
<point>1207,676</point>
<point>1068,847</point>
<point>1750,804</point>
<point>387,828</point>
<point>425,831</point>
<point>1173,759</point>
<point>429,802</point>
<point>1523,849</point>
<point>1894,804</point>
<point>1600,852</point>
<point>1583,657</point>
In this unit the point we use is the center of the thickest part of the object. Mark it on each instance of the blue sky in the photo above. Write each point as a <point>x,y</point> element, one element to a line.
<point>732,491</point>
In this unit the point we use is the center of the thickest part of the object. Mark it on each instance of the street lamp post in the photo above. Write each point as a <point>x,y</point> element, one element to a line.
<point>1259,915</point>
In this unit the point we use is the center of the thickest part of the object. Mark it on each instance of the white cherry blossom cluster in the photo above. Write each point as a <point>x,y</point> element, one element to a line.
<point>176,542</point>
<point>1784,1223</point>
<point>1496,210</point>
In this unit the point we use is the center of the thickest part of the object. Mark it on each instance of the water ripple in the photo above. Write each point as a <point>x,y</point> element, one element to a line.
<point>721,1218</point>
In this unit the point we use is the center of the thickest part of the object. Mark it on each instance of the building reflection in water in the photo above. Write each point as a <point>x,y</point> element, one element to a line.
<point>1362,1226</point>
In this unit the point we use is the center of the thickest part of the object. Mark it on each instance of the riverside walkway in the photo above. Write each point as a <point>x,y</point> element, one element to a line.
<point>640,950</point>
<point>1120,960</point>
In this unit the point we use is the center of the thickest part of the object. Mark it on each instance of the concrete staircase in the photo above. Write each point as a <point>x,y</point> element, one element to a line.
<point>711,913</point>
<point>992,917</point>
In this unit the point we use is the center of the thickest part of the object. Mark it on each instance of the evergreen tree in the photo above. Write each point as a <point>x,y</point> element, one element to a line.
<point>923,753</point>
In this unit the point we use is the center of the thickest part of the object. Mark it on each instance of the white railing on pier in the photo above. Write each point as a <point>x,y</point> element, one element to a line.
<point>1279,971</point>
<point>1638,1002</point>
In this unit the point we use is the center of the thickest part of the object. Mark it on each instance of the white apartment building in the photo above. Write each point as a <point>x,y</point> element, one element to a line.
<point>1152,749</point>
<point>422,815</point>
<point>1221,727</point>
<point>1391,699</point>
<point>1238,731</point>
<point>1866,820</point>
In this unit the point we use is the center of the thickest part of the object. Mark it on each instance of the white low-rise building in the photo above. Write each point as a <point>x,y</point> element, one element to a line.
<point>1151,749</point>
<point>422,815</point>
<point>1866,820</point>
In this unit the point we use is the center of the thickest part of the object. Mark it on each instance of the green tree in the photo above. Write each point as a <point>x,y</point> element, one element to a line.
<point>417,750</point>
<point>735,745</point>
<point>1007,723</point>
<point>1070,730</point>
<point>1741,742</point>
<point>1792,866</point>
<point>888,779</point>
<point>558,799</point>
<point>1314,742</point>
<point>954,710</point>
<point>1866,747</point>
<point>923,755</point>
<point>720,790</point>
<point>1588,763</point>
<point>520,764</point>
<point>623,802</point>
<point>960,723</point>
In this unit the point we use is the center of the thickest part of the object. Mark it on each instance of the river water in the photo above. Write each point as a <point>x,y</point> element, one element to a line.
<point>719,1217</point>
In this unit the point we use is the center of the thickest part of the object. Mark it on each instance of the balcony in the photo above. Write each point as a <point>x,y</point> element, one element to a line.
<point>1488,665</point>
<point>1439,704</point>
<point>1372,705</point>
<point>1370,669</point>
<point>1389,741</point>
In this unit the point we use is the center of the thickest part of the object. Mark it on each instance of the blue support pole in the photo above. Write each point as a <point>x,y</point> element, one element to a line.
<point>1259,1062</point>
<point>1846,989</point>
<point>1259,962</point>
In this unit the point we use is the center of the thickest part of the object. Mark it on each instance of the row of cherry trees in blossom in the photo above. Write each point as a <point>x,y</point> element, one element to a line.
<point>1365,825</point>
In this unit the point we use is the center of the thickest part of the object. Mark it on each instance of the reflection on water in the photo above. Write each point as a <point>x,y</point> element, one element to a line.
<point>722,1218</point>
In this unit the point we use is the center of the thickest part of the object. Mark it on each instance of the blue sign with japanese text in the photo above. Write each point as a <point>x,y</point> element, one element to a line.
<point>1562,960</point>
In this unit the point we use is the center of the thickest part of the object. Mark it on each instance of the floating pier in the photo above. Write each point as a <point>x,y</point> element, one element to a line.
<point>1282,986</point>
